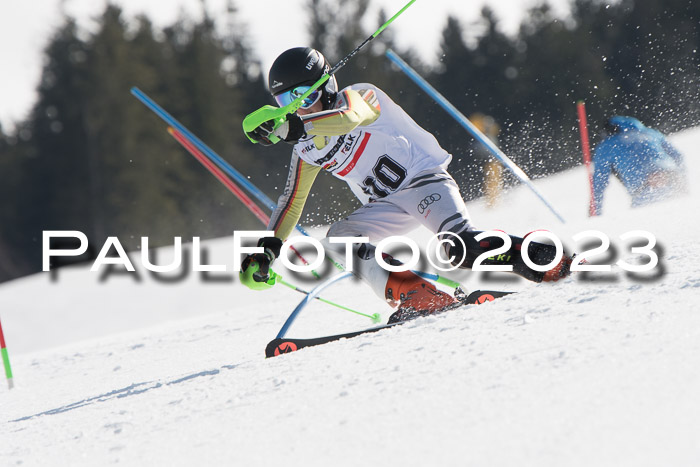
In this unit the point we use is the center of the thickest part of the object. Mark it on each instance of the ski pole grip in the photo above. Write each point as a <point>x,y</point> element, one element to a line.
<point>278,114</point>
<point>262,115</point>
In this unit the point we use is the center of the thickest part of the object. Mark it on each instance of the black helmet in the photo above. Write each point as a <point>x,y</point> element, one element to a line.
<point>301,66</point>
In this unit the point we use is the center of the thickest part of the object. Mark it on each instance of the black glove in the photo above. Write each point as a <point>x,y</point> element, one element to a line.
<point>262,133</point>
<point>291,131</point>
<point>263,272</point>
<point>272,246</point>
<point>294,127</point>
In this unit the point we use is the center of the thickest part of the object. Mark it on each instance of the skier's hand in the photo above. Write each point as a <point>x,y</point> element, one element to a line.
<point>292,130</point>
<point>256,266</point>
<point>260,263</point>
<point>262,133</point>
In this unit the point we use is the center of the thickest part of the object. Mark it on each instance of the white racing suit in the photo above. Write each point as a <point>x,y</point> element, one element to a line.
<point>396,168</point>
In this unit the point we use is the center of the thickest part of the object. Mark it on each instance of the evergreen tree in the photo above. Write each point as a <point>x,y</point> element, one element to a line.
<point>11,215</point>
<point>494,58</point>
<point>54,178</point>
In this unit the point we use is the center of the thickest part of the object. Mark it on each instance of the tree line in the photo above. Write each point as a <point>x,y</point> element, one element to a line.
<point>90,157</point>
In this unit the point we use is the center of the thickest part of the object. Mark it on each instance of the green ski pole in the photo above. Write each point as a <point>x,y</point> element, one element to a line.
<point>279,114</point>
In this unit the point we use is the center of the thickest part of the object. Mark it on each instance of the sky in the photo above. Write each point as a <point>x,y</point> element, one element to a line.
<point>26,26</point>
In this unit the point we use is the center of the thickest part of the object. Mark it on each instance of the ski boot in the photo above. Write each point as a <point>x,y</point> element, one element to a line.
<point>560,271</point>
<point>415,297</point>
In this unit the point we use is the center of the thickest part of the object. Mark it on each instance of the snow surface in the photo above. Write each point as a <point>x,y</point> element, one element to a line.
<point>601,370</point>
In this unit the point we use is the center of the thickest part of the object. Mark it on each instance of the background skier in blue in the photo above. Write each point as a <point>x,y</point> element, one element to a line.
<point>649,167</point>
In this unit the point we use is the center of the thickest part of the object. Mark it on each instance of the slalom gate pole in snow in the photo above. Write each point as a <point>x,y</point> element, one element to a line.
<point>228,183</point>
<point>199,144</point>
<point>279,114</point>
<point>6,359</point>
<point>220,175</point>
<point>470,127</point>
<point>375,317</point>
<point>310,296</point>
<point>586,148</point>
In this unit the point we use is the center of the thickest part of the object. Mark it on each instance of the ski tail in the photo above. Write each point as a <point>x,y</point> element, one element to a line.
<point>285,345</point>
<point>482,296</point>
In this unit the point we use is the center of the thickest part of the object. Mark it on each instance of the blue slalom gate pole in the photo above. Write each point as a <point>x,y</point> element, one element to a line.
<point>470,127</point>
<point>225,166</point>
<point>308,299</point>
<point>218,160</point>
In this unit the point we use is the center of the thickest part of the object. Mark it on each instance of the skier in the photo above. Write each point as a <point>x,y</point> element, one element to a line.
<point>396,168</point>
<point>649,167</point>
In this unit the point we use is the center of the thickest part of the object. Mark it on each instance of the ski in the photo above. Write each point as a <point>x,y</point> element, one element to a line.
<point>286,345</point>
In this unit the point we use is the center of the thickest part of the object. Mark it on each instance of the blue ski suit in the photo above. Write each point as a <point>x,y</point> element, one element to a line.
<point>648,166</point>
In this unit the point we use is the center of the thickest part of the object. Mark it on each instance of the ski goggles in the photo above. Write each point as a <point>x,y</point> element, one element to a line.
<point>288,97</point>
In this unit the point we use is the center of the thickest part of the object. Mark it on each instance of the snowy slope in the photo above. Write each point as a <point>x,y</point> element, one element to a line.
<point>584,372</point>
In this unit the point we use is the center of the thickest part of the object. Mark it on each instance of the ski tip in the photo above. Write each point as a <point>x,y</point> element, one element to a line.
<point>278,347</point>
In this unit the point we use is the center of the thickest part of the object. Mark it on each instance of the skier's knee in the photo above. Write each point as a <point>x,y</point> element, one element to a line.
<point>463,254</point>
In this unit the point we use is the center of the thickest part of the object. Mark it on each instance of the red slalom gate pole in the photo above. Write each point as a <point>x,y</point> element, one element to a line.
<point>586,147</point>
<point>220,175</point>
<point>228,183</point>
<point>6,359</point>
